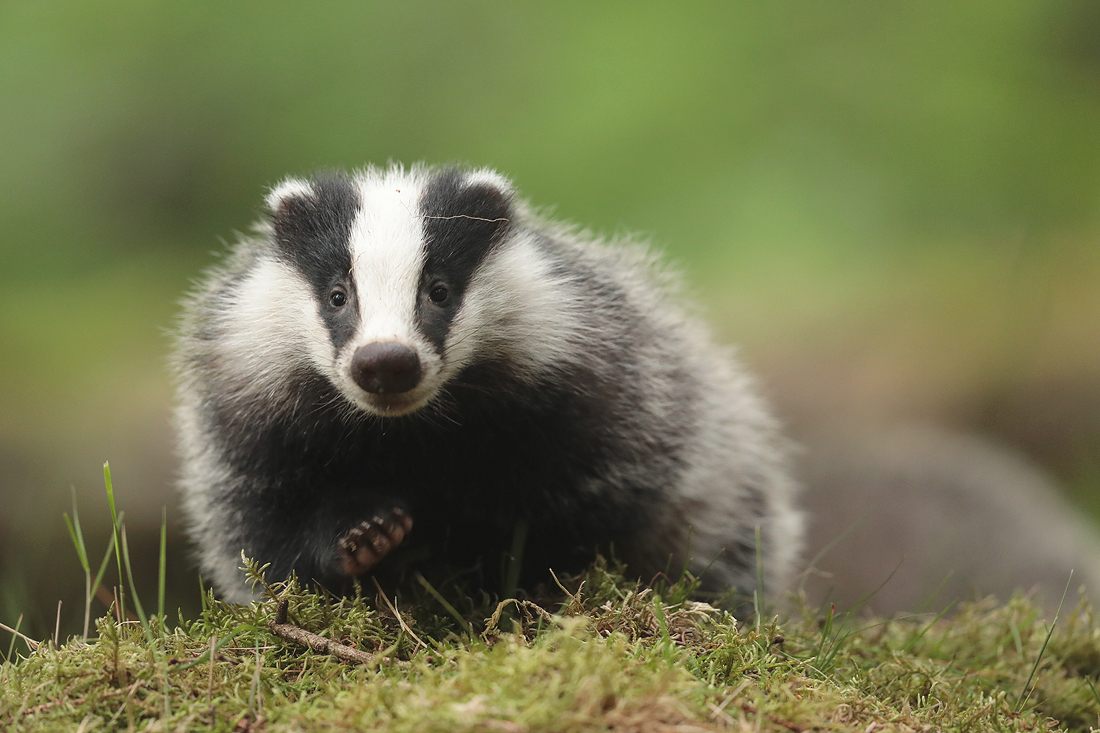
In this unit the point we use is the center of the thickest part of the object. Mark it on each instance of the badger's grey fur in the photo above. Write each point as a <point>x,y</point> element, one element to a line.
<point>416,351</point>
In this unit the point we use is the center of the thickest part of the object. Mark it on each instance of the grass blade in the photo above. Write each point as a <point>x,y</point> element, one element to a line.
<point>1035,667</point>
<point>115,528</point>
<point>163,563</point>
<point>443,602</point>
<point>77,535</point>
<point>133,591</point>
<point>912,642</point>
<point>1092,687</point>
<point>103,564</point>
<point>515,559</point>
<point>758,593</point>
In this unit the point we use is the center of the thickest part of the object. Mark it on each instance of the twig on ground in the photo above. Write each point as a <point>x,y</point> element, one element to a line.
<point>298,635</point>
<point>31,642</point>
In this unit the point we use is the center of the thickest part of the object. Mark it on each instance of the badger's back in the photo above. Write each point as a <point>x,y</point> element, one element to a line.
<point>418,344</point>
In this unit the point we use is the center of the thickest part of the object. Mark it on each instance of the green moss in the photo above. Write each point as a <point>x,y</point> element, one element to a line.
<point>607,655</point>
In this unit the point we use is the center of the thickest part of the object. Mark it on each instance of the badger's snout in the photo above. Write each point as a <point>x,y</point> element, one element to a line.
<point>385,367</point>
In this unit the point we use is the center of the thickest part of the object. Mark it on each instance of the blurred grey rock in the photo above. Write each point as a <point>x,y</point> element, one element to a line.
<point>934,516</point>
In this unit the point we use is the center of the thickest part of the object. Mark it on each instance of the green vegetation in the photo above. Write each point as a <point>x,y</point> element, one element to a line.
<point>611,656</point>
<point>596,653</point>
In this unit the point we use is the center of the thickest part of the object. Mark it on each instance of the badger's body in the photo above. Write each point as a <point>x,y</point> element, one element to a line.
<point>416,348</point>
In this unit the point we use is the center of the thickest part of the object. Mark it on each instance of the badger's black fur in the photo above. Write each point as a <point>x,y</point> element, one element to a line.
<point>418,344</point>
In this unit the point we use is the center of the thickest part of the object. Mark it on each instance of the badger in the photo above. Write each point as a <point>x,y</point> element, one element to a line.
<point>415,360</point>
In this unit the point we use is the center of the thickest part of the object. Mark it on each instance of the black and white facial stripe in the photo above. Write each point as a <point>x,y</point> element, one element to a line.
<point>388,260</point>
<point>463,221</point>
<point>312,233</point>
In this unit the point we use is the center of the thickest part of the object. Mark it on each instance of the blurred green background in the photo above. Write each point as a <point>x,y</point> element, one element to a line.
<point>894,208</point>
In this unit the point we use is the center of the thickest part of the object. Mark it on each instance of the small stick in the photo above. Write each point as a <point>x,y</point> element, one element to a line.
<point>467,216</point>
<point>210,679</point>
<point>298,635</point>
<point>33,644</point>
<point>57,626</point>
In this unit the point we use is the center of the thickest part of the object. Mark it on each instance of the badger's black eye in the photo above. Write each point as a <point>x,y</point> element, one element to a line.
<point>338,298</point>
<point>439,294</point>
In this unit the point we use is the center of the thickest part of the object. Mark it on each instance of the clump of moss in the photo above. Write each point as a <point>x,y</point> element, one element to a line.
<point>605,654</point>
<point>594,653</point>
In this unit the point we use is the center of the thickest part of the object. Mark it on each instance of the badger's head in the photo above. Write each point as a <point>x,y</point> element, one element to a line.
<point>389,260</point>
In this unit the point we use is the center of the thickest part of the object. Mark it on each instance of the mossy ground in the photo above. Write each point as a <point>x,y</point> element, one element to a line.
<point>607,655</point>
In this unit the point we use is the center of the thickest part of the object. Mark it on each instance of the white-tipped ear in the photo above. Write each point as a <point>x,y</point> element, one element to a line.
<point>489,177</point>
<point>290,188</point>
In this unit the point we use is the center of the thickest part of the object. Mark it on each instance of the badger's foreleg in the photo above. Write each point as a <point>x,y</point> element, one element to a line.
<point>364,545</point>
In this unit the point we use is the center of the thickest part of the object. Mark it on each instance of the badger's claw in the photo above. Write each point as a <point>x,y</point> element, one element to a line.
<point>365,545</point>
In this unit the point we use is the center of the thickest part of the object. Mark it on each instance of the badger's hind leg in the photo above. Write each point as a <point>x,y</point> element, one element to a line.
<point>364,546</point>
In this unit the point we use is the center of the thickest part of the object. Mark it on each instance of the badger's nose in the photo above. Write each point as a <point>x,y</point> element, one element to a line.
<point>385,367</point>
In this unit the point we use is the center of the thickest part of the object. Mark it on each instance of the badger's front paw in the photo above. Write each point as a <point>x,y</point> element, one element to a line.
<point>364,546</point>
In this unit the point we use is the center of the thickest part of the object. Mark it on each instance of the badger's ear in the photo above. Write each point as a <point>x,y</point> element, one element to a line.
<point>289,195</point>
<point>290,204</point>
<point>489,195</point>
<point>489,179</point>
<point>321,208</point>
<point>470,205</point>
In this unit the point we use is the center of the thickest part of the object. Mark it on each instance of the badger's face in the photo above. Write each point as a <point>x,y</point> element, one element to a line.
<point>387,259</point>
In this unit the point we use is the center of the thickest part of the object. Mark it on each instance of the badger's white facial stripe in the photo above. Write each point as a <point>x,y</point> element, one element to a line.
<point>387,259</point>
